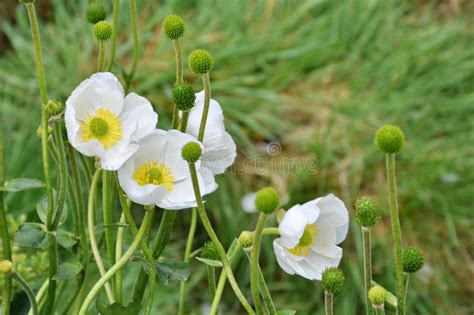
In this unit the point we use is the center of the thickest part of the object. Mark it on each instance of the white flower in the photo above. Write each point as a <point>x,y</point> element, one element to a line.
<point>219,147</point>
<point>248,202</point>
<point>101,122</point>
<point>157,174</point>
<point>309,235</point>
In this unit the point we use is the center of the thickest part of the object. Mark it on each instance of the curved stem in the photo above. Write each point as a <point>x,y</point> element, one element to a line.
<point>187,254</point>
<point>133,18</point>
<point>212,235</point>
<point>101,60</point>
<point>396,232</point>
<point>367,267</point>
<point>40,294</point>
<point>267,298</point>
<point>254,262</point>
<point>90,228</point>
<point>116,10</point>
<point>118,254</point>
<point>24,285</point>
<point>117,266</point>
<point>328,303</point>
<point>207,101</point>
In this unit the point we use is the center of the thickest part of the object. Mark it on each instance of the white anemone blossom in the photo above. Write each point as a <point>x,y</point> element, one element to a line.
<point>309,235</point>
<point>101,122</point>
<point>157,174</point>
<point>219,147</point>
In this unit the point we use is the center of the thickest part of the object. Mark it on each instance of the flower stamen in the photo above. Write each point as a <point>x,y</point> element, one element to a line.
<point>103,126</point>
<point>307,240</point>
<point>154,173</point>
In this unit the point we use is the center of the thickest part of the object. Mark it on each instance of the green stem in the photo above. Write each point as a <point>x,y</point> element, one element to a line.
<point>108,215</point>
<point>63,174</point>
<point>267,298</point>
<point>207,101</point>
<point>367,267</point>
<point>184,121</point>
<point>116,10</point>
<point>328,303</point>
<point>87,167</point>
<point>101,60</point>
<point>222,281</point>
<point>407,282</point>
<point>211,280</point>
<point>179,60</point>
<point>212,235</point>
<point>187,254</point>
<point>133,18</point>
<point>175,121</point>
<point>5,235</point>
<point>40,294</point>
<point>118,254</point>
<point>25,287</point>
<point>119,264</point>
<point>90,228</point>
<point>254,262</point>
<point>396,232</point>
<point>379,309</point>
<point>271,231</point>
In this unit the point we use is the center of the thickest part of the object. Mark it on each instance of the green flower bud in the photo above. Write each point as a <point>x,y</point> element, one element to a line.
<point>267,200</point>
<point>183,96</point>
<point>27,1</point>
<point>54,108</point>
<point>173,26</point>
<point>6,266</point>
<point>366,212</point>
<point>103,30</point>
<point>377,295</point>
<point>389,138</point>
<point>200,61</point>
<point>191,152</point>
<point>332,280</point>
<point>209,251</point>
<point>95,12</point>
<point>246,239</point>
<point>412,259</point>
<point>39,131</point>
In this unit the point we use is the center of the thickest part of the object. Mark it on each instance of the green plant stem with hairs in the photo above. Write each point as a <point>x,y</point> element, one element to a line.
<point>118,254</point>
<point>187,254</point>
<point>271,231</point>
<point>52,250</point>
<point>133,18</point>
<point>40,294</point>
<point>406,279</point>
<point>366,239</point>
<point>116,9</point>
<point>396,232</point>
<point>26,288</point>
<point>267,298</point>
<point>184,121</point>
<point>121,262</point>
<point>90,228</point>
<point>5,235</point>
<point>328,304</point>
<point>63,174</point>
<point>179,78</point>
<point>101,60</point>
<point>212,235</point>
<point>207,100</point>
<point>107,193</point>
<point>211,281</point>
<point>254,262</point>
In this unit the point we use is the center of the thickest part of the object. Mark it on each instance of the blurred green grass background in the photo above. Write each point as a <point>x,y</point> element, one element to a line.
<point>317,77</point>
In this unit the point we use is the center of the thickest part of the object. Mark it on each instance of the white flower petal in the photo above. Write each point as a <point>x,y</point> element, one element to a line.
<point>113,158</point>
<point>335,214</point>
<point>138,118</point>
<point>220,151</point>
<point>282,259</point>
<point>292,226</point>
<point>215,117</point>
<point>326,241</point>
<point>91,148</point>
<point>248,202</point>
<point>311,210</point>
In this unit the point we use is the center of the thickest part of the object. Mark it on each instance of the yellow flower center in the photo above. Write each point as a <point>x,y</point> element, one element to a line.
<point>307,241</point>
<point>154,173</point>
<point>103,126</point>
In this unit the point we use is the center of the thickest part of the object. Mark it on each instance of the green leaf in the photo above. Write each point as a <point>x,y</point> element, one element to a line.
<point>285,312</point>
<point>33,235</point>
<point>168,269</point>
<point>66,239</point>
<point>68,270</point>
<point>42,209</point>
<point>21,184</point>
<point>210,262</point>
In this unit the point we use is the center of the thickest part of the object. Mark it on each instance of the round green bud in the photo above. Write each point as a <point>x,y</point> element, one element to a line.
<point>53,108</point>
<point>191,152</point>
<point>103,30</point>
<point>209,251</point>
<point>412,259</point>
<point>389,138</point>
<point>183,96</point>
<point>267,200</point>
<point>95,12</point>
<point>377,295</point>
<point>173,26</point>
<point>6,266</point>
<point>332,280</point>
<point>200,61</point>
<point>366,212</point>
<point>246,239</point>
<point>39,131</point>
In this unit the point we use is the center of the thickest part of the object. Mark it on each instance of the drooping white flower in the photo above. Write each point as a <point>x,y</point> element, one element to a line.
<point>101,122</point>
<point>309,235</point>
<point>157,174</point>
<point>219,147</point>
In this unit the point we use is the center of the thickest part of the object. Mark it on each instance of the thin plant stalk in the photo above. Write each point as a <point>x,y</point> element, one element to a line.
<point>407,282</point>
<point>107,210</point>
<point>90,228</point>
<point>207,100</point>
<point>328,304</point>
<point>267,298</point>
<point>118,254</point>
<point>101,60</point>
<point>366,238</point>
<point>184,121</point>
<point>63,175</point>
<point>116,9</point>
<point>133,19</point>
<point>187,254</point>
<point>179,78</point>
<point>5,235</point>
<point>379,309</point>
<point>52,250</point>
<point>396,231</point>
<point>120,263</point>
<point>26,288</point>
<point>254,262</point>
<point>40,294</point>
<point>212,235</point>
<point>211,280</point>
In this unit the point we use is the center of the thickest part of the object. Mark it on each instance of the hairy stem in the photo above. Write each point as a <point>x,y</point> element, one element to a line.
<point>207,100</point>
<point>101,60</point>
<point>26,288</point>
<point>254,262</point>
<point>133,18</point>
<point>107,193</point>
<point>63,175</point>
<point>407,282</point>
<point>367,267</point>
<point>328,303</point>
<point>179,78</point>
<point>115,13</point>
<point>118,254</point>
<point>184,121</point>
<point>187,254</point>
